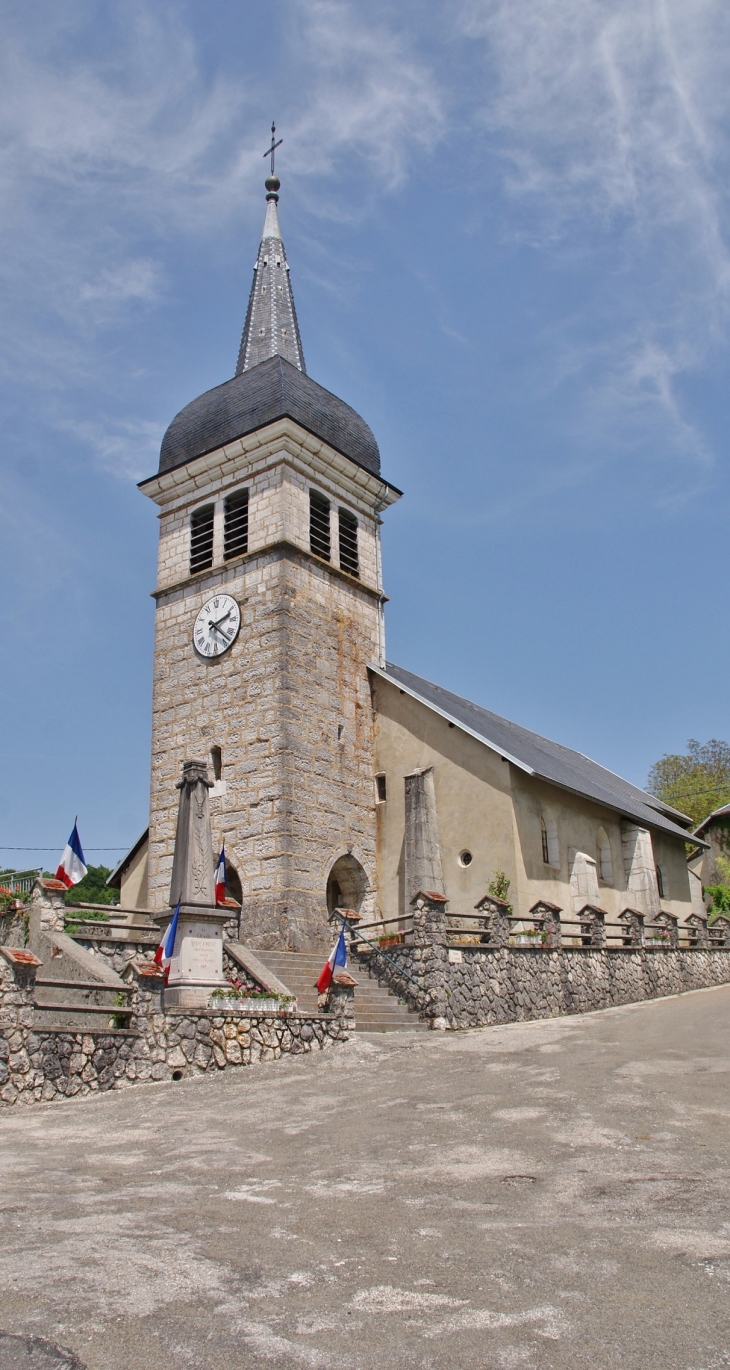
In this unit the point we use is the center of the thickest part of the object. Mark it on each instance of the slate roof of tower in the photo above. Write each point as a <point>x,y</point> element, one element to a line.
<point>271,381</point>
<point>540,757</point>
<point>272,390</point>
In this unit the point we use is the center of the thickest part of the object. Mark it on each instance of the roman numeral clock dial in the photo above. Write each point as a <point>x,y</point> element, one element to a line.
<point>216,627</point>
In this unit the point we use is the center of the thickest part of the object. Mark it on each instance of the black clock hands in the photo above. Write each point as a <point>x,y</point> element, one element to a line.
<point>216,625</point>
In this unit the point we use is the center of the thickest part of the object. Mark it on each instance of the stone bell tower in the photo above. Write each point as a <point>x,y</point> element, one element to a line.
<point>269,608</point>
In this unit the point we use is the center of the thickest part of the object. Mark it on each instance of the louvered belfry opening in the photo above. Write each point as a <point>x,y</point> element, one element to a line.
<point>235,525</point>
<point>201,538</point>
<point>319,525</point>
<point>349,559</point>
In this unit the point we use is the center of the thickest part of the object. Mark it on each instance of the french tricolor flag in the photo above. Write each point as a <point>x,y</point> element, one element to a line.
<point>163,955</point>
<point>336,958</point>
<point>72,867</point>
<point>220,877</point>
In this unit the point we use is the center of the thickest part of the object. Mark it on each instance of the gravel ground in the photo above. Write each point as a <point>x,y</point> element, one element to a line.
<point>550,1195</point>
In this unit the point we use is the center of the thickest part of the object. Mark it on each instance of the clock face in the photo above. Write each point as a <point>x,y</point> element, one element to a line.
<point>216,626</point>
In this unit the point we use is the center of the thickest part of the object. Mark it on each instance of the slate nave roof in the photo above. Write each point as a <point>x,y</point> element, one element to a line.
<point>540,757</point>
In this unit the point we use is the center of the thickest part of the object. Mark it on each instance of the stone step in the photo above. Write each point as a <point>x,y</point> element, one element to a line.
<point>78,994</point>
<point>376,1008</point>
<point>95,1017</point>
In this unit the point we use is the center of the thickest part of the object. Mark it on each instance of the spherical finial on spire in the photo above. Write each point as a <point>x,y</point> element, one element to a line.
<point>272,183</point>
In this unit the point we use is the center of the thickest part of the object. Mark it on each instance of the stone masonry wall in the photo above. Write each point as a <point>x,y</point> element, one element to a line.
<point>511,984</point>
<point>40,1064</point>
<point>289,706</point>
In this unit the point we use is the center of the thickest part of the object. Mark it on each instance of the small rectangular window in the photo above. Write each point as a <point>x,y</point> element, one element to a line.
<point>381,789</point>
<point>660,881</point>
<point>349,560</point>
<point>201,538</point>
<point>319,525</point>
<point>235,525</point>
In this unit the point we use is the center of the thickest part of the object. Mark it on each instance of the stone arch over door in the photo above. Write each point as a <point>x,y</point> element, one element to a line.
<point>347,884</point>
<point>233,883</point>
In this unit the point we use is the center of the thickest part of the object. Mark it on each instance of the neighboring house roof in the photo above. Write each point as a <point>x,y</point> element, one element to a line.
<point>115,879</point>
<point>724,812</point>
<point>540,757</point>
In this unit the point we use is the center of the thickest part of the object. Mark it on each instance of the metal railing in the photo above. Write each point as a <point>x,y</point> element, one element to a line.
<point>540,931</point>
<point>356,932</point>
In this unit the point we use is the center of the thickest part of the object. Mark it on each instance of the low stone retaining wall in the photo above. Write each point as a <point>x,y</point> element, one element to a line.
<point>510,984</point>
<point>38,1064</point>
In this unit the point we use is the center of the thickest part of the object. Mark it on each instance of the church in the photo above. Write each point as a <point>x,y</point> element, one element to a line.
<point>340,780</point>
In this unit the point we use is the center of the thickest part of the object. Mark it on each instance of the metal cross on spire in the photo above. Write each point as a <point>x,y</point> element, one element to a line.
<point>274,145</point>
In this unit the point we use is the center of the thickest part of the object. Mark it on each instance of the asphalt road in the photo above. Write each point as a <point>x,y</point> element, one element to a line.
<point>550,1195</point>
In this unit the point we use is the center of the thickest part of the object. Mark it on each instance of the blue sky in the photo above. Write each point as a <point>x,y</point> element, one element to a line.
<point>507,224</point>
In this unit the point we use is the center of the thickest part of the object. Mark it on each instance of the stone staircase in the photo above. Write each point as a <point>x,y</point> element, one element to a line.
<point>80,1004</point>
<point>76,990</point>
<point>376,1009</point>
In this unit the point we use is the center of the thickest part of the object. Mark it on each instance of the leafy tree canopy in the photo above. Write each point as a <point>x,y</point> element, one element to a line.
<point>93,889</point>
<point>697,782</point>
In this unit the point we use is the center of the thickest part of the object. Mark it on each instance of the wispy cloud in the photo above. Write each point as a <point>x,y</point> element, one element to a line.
<point>370,93</point>
<point>127,449</point>
<point>116,143</point>
<point>612,118</point>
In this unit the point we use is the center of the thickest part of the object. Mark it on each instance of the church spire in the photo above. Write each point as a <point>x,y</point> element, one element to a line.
<point>271,328</point>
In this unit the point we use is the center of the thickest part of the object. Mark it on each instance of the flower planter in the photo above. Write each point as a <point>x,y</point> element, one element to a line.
<point>250,1005</point>
<point>395,941</point>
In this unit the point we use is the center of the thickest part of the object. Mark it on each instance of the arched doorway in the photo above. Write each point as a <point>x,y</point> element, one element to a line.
<point>233,883</point>
<point>347,885</point>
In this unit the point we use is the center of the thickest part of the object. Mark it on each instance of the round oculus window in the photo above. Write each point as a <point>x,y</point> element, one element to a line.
<point>465,858</point>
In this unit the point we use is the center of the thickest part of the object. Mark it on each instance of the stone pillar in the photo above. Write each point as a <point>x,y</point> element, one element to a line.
<point>196,968</point>
<point>640,868</point>
<point>17,997</point>
<point>431,955</point>
<point>633,921</point>
<point>422,850</point>
<point>593,926</point>
<point>547,919</point>
<point>341,998</point>
<point>46,910</point>
<point>668,923</point>
<point>697,929</point>
<point>497,924</point>
<point>719,931</point>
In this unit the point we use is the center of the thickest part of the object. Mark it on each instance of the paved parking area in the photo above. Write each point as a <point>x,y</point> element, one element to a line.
<point>550,1195</point>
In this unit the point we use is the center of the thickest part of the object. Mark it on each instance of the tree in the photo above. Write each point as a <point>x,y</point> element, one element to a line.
<point>93,889</point>
<point>697,782</point>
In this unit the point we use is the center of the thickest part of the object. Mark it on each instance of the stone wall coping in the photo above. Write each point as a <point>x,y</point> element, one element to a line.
<point>18,956</point>
<point>187,1011</point>
<point>149,970</point>
<point>486,950</point>
<point>85,1031</point>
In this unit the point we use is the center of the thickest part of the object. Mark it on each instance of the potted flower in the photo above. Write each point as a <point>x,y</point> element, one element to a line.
<point>249,999</point>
